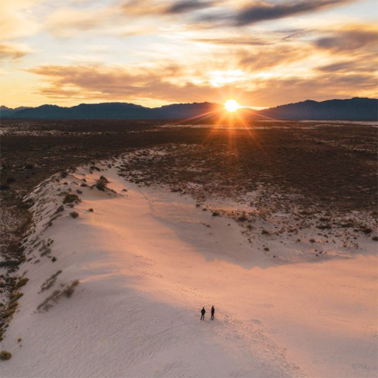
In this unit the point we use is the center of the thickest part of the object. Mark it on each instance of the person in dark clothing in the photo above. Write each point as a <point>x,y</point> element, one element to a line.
<point>212,312</point>
<point>203,312</point>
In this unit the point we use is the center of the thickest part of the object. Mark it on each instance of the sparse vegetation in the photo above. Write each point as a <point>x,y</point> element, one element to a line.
<point>56,296</point>
<point>5,355</point>
<point>8,313</point>
<point>60,209</point>
<point>21,282</point>
<point>50,281</point>
<point>16,295</point>
<point>71,198</point>
<point>101,183</point>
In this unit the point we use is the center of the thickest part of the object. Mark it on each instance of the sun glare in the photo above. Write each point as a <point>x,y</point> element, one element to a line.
<point>231,105</point>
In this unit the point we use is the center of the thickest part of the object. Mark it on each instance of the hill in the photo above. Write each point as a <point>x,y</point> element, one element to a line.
<point>355,109</point>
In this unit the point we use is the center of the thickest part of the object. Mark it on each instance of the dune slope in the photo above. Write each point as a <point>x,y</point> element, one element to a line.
<point>123,297</point>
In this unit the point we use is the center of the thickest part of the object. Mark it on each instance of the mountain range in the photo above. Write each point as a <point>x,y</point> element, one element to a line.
<point>355,109</point>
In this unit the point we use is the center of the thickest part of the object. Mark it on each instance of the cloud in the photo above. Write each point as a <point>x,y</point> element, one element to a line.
<point>263,11</point>
<point>187,6</point>
<point>349,66</point>
<point>68,22</point>
<point>13,51</point>
<point>111,82</point>
<point>275,55</point>
<point>250,41</point>
<point>151,83</point>
<point>158,7</point>
<point>350,39</point>
<point>15,19</point>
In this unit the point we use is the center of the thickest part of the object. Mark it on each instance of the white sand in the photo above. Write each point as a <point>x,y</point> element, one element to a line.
<point>147,263</point>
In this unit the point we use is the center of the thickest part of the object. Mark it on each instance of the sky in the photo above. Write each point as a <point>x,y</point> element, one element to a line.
<point>156,52</point>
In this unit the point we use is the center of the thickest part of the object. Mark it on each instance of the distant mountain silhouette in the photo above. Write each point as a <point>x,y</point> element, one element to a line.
<point>8,112</point>
<point>355,109</point>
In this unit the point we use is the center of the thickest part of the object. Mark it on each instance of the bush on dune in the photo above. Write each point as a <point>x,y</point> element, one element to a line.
<point>22,282</point>
<point>5,355</point>
<point>101,183</point>
<point>71,198</point>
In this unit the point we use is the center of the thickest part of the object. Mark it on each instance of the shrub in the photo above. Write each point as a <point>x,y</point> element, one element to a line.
<point>56,296</point>
<point>60,209</point>
<point>29,166</point>
<point>22,282</point>
<point>5,355</point>
<point>90,210</point>
<point>8,313</point>
<point>16,295</point>
<point>215,214</point>
<point>13,305</point>
<point>50,281</point>
<point>242,218</point>
<point>68,291</point>
<point>70,198</point>
<point>375,238</point>
<point>74,214</point>
<point>265,232</point>
<point>53,259</point>
<point>101,183</point>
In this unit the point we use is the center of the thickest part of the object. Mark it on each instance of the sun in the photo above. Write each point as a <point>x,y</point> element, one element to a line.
<point>231,105</point>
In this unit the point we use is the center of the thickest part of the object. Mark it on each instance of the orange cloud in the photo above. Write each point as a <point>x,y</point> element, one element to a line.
<point>149,84</point>
<point>13,51</point>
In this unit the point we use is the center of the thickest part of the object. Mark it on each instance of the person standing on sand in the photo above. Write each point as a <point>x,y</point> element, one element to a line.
<point>203,312</point>
<point>212,312</point>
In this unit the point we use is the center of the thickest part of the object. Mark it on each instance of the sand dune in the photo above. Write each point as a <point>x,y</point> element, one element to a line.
<point>147,260</point>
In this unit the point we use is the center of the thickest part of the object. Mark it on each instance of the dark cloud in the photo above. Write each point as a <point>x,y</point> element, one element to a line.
<point>350,66</point>
<point>263,11</point>
<point>153,7</point>
<point>348,40</point>
<point>187,6</point>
